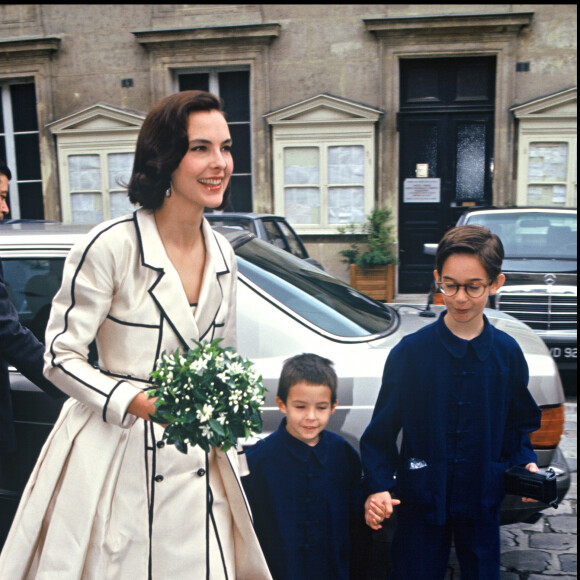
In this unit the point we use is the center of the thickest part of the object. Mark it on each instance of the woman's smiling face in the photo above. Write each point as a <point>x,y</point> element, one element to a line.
<point>204,172</point>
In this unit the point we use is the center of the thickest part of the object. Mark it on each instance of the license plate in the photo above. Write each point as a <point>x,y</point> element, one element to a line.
<point>563,352</point>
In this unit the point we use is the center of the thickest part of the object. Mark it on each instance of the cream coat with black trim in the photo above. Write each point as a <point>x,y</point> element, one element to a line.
<point>107,499</point>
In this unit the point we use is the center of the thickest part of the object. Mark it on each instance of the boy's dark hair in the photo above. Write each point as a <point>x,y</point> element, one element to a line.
<point>162,144</point>
<point>309,368</point>
<point>475,240</point>
<point>5,171</point>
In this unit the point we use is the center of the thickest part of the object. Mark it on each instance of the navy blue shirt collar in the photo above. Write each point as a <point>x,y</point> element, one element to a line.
<point>302,451</point>
<point>457,347</point>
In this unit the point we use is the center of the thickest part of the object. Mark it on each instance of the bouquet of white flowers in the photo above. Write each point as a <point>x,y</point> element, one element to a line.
<point>209,396</point>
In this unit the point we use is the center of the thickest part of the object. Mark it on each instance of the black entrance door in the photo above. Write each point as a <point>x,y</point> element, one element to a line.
<point>446,154</point>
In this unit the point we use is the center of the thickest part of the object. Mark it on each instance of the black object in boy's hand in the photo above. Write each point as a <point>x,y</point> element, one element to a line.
<point>540,485</point>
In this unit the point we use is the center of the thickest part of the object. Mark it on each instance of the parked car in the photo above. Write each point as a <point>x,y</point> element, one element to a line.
<point>541,272</point>
<point>301,309</point>
<point>273,229</point>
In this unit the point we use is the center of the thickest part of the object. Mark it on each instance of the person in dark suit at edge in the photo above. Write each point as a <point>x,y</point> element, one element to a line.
<point>18,345</point>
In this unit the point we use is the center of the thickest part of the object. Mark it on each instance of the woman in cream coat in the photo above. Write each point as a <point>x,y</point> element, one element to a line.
<point>107,498</point>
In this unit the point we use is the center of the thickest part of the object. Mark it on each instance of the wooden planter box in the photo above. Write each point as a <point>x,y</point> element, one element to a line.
<point>378,282</point>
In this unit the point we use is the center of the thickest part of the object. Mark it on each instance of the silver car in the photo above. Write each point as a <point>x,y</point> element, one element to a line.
<point>285,307</point>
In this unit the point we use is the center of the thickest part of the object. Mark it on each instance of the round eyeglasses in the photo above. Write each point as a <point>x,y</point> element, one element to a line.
<point>474,290</point>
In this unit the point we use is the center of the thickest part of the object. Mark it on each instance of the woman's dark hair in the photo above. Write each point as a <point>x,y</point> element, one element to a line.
<point>162,144</point>
<point>472,239</point>
<point>4,170</point>
<point>309,368</point>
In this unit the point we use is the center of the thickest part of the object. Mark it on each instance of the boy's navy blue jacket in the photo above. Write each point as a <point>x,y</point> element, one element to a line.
<point>465,411</point>
<point>302,500</point>
<point>18,347</point>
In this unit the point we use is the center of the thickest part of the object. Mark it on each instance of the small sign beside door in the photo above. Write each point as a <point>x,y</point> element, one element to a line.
<point>422,190</point>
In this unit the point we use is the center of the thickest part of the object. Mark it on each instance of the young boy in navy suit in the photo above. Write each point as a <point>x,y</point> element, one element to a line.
<point>304,482</point>
<point>458,390</point>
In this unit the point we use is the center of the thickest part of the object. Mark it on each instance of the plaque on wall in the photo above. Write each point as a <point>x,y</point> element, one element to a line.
<point>422,190</point>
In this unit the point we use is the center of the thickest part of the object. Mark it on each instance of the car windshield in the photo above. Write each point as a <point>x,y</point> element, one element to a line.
<point>323,300</point>
<point>545,235</point>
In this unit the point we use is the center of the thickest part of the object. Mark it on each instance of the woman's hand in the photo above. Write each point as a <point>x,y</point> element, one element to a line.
<point>142,406</point>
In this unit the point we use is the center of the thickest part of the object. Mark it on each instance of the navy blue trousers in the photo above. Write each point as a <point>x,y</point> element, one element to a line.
<point>420,551</point>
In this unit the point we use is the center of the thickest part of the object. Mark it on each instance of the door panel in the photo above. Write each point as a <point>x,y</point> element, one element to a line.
<point>458,151</point>
<point>446,128</point>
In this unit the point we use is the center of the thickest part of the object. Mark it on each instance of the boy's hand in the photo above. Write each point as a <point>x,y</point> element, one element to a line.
<point>532,468</point>
<point>378,507</point>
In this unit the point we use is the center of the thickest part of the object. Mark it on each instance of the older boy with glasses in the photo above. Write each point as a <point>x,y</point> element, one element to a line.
<point>458,390</point>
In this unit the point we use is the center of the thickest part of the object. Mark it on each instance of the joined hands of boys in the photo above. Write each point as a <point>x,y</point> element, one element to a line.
<point>379,506</point>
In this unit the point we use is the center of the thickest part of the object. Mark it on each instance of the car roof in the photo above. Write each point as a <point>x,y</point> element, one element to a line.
<point>235,236</point>
<point>23,234</point>
<point>241,214</point>
<point>534,209</point>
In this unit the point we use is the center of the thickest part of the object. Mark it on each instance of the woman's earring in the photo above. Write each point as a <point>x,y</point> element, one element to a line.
<point>168,192</point>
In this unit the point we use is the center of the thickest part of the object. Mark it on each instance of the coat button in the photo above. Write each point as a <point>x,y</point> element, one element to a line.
<point>201,472</point>
<point>159,478</point>
<point>160,444</point>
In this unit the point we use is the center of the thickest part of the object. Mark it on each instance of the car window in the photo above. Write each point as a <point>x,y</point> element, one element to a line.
<point>295,246</point>
<point>547,235</point>
<point>323,300</point>
<point>274,234</point>
<point>233,223</point>
<point>31,285</point>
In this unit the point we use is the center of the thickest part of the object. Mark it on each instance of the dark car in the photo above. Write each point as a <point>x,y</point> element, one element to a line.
<point>271,228</point>
<point>541,272</point>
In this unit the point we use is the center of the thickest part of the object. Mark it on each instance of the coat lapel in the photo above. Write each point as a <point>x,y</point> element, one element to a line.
<point>167,290</point>
<point>211,295</point>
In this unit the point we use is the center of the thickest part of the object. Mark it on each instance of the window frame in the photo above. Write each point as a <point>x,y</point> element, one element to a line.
<point>550,119</point>
<point>103,153</point>
<point>99,130</point>
<point>523,168</point>
<point>323,144</point>
<point>325,121</point>
<point>214,87</point>
<point>9,134</point>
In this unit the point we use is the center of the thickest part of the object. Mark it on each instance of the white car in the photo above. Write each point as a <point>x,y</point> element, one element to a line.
<point>285,307</point>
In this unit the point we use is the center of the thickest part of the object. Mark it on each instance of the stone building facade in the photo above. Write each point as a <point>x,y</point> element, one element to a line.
<point>335,109</point>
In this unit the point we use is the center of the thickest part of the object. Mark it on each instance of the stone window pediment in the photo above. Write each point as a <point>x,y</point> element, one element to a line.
<point>454,25</point>
<point>249,34</point>
<point>323,109</point>
<point>98,118</point>
<point>559,105</point>
<point>30,48</point>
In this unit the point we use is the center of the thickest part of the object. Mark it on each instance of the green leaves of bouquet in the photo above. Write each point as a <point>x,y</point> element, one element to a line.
<point>209,396</point>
